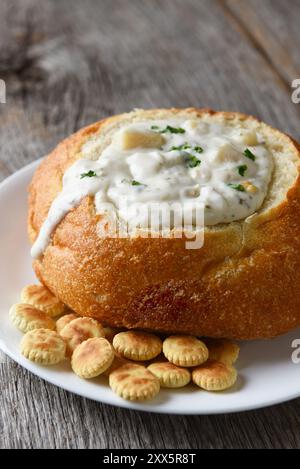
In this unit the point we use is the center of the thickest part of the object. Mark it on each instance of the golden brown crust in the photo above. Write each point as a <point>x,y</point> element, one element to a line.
<point>243,284</point>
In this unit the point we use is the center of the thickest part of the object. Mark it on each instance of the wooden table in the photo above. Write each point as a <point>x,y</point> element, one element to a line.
<point>70,62</point>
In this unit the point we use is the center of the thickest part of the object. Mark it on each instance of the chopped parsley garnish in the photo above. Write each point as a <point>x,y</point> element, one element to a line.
<point>237,187</point>
<point>248,153</point>
<point>184,146</point>
<point>198,149</point>
<point>168,128</point>
<point>89,174</point>
<point>136,183</point>
<point>242,169</point>
<point>191,160</point>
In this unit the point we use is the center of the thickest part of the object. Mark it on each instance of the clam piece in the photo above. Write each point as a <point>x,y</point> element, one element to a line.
<point>131,138</point>
<point>250,138</point>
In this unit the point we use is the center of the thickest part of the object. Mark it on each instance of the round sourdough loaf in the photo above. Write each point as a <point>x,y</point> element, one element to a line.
<point>242,284</point>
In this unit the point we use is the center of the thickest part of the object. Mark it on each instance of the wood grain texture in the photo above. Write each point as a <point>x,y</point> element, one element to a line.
<point>72,62</point>
<point>273,28</point>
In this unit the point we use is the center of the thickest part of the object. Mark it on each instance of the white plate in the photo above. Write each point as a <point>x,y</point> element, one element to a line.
<point>267,373</point>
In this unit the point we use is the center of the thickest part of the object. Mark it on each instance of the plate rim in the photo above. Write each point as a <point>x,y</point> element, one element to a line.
<point>264,404</point>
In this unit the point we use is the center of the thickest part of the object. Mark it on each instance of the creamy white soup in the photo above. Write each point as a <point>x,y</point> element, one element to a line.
<point>224,169</point>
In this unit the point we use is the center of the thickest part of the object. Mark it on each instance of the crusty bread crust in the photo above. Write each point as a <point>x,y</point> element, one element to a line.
<point>243,284</point>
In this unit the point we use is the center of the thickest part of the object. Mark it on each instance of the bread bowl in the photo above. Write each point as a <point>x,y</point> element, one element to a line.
<point>243,283</point>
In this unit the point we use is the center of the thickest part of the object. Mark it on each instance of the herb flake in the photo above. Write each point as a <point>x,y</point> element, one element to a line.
<point>191,160</point>
<point>242,169</point>
<point>186,146</point>
<point>198,149</point>
<point>248,153</point>
<point>237,187</point>
<point>136,183</point>
<point>168,128</point>
<point>89,174</point>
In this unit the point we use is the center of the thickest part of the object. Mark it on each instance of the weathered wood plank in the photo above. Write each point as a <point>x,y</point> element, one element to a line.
<point>274,28</point>
<point>71,62</point>
<point>57,419</point>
